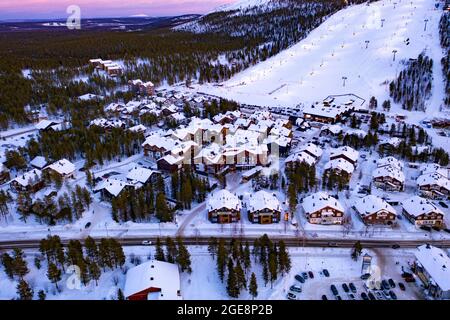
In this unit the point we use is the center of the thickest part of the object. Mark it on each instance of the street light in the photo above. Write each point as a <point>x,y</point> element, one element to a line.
<point>394,52</point>
<point>382,22</point>
<point>344,78</point>
<point>426,21</point>
<point>367,43</point>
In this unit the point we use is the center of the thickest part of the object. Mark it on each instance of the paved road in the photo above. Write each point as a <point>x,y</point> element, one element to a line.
<point>289,240</point>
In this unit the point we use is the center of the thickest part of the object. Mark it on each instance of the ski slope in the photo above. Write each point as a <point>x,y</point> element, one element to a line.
<point>314,68</point>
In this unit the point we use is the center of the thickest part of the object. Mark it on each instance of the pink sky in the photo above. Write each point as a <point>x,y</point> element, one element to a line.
<point>37,9</point>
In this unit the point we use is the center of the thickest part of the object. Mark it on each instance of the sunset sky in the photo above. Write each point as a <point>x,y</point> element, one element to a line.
<point>40,9</point>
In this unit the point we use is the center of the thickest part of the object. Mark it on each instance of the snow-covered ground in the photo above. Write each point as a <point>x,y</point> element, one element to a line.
<point>204,283</point>
<point>313,68</point>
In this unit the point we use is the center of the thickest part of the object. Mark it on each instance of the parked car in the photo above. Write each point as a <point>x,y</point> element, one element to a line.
<point>332,244</point>
<point>299,278</point>
<point>386,294</point>
<point>291,296</point>
<point>311,274</point>
<point>352,287</point>
<point>334,290</point>
<point>393,295</point>
<point>385,285</point>
<point>351,296</point>
<point>326,273</point>
<point>379,295</point>
<point>364,296</point>
<point>443,204</point>
<point>305,275</point>
<point>391,283</point>
<point>447,230</point>
<point>146,242</point>
<point>395,246</point>
<point>324,297</point>
<point>295,288</point>
<point>338,297</point>
<point>345,287</point>
<point>401,286</point>
<point>371,296</point>
<point>87,225</point>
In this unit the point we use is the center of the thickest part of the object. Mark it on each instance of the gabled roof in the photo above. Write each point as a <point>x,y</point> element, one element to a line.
<point>437,264</point>
<point>417,206</point>
<point>319,201</point>
<point>223,199</point>
<point>113,186</point>
<point>63,167</point>
<point>301,157</point>
<point>371,204</point>
<point>434,179</point>
<point>154,274</point>
<point>139,174</point>
<point>434,167</point>
<point>346,151</point>
<point>313,149</point>
<point>38,162</point>
<point>33,175</point>
<point>340,164</point>
<point>390,161</point>
<point>263,200</point>
<point>389,171</point>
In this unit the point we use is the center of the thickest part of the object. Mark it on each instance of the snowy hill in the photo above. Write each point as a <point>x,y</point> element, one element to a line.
<point>314,68</point>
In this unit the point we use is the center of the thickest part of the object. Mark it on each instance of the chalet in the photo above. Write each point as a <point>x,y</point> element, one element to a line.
<point>170,163</point>
<point>361,134</point>
<point>297,158</point>
<point>39,162</point>
<point>390,145</point>
<point>313,150</point>
<point>111,188</point>
<point>4,173</point>
<point>169,110</point>
<point>108,124</point>
<point>31,181</point>
<point>90,97</point>
<point>63,167</point>
<point>321,208</point>
<point>139,128</point>
<point>434,186</point>
<point>433,167</point>
<point>347,153</point>
<point>177,117</point>
<point>153,280</point>
<point>331,130</point>
<point>224,207</point>
<point>97,63</point>
<point>45,124</point>
<point>142,88</point>
<point>340,167</point>
<point>390,161</point>
<point>389,178</point>
<point>421,212</point>
<point>263,208</point>
<point>138,176</point>
<point>432,266</point>
<point>157,146</point>
<point>374,210</point>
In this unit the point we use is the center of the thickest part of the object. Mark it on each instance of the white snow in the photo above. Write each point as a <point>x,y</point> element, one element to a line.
<point>320,200</point>
<point>223,199</point>
<point>437,263</point>
<point>372,204</point>
<point>417,206</point>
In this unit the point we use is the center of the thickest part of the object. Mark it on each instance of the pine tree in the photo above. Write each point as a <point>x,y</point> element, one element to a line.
<point>54,274</point>
<point>91,248</point>
<point>221,259</point>
<point>240,276</point>
<point>283,258</point>
<point>183,257</point>
<point>41,295</point>
<point>273,265</point>
<point>171,250</point>
<point>265,274</point>
<point>212,246</point>
<point>120,295</point>
<point>232,283</point>
<point>19,264</point>
<point>94,271</point>
<point>253,286</point>
<point>24,291</point>
<point>246,257</point>
<point>162,210</point>
<point>159,252</point>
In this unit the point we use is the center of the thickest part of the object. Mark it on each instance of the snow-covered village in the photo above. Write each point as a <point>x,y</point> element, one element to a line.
<point>182,158</point>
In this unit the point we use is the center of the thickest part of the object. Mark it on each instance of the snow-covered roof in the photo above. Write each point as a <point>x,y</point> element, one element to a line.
<point>139,174</point>
<point>357,132</point>
<point>178,116</point>
<point>44,124</point>
<point>171,159</point>
<point>319,201</point>
<point>301,157</point>
<point>138,128</point>
<point>63,167</point>
<point>154,274</point>
<point>113,186</point>
<point>371,204</point>
<point>223,199</point>
<point>89,96</point>
<point>417,206</point>
<point>158,141</point>
<point>263,200</point>
<point>394,141</point>
<point>33,175</point>
<point>333,128</point>
<point>434,167</point>
<point>38,162</point>
<point>434,179</point>
<point>340,164</point>
<point>280,131</point>
<point>312,149</point>
<point>346,151</point>
<point>389,171</point>
<point>281,141</point>
<point>390,161</point>
<point>322,110</point>
<point>437,264</point>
